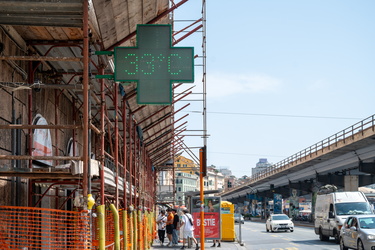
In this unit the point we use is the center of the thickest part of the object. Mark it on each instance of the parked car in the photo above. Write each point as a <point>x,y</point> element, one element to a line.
<point>276,222</point>
<point>358,232</point>
<point>238,218</point>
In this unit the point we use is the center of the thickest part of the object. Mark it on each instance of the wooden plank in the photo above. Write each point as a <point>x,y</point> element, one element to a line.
<point>135,14</point>
<point>41,175</point>
<point>57,33</point>
<point>41,7</point>
<point>73,33</point>
<point>12,32</point>
<point>30,157</point>
<point>45,20</point>
<point>40,58</point>
<point>104,16</point>
<point>120,19</point>
<point>27,126</point>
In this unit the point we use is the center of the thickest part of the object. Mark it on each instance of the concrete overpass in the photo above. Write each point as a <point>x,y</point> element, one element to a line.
<point>345,159</point>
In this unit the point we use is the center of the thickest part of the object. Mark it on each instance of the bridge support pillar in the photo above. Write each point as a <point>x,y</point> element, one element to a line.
<point>351,182</point>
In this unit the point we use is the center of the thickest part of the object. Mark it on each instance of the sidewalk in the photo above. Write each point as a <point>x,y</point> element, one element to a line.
<point>207,245</point>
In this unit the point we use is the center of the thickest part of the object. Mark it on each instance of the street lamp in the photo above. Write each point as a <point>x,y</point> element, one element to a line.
<point>240,230</point>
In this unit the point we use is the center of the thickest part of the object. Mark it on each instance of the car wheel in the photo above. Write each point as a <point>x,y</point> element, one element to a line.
<point>291,230</point>
<point>342,246</point>
<point>322,237</point>
<point>360,245</point>
<point>267,229</point>
<point>337,237</point>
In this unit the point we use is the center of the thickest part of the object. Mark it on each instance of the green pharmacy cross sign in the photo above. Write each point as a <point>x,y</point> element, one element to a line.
<point>154,64</point>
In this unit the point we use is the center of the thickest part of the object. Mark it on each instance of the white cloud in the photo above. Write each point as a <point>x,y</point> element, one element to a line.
<point>220,85</point>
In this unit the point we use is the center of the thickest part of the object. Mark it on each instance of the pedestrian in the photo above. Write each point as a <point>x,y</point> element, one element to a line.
<point>188,228</point>
<point>161,222</point>
<point>169,227</point>
<point>218,243</point>
<point>176,227</point>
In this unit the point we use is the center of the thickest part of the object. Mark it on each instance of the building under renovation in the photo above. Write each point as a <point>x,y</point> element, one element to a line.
<point>79,156</point>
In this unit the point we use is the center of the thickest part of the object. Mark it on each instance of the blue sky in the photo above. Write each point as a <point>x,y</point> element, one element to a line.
<point>281,75</point>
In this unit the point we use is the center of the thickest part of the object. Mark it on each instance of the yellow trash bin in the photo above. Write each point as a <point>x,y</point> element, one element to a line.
<point>227,219</point>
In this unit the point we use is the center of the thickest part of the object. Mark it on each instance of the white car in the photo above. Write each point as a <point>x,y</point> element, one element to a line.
<point>278,222</point>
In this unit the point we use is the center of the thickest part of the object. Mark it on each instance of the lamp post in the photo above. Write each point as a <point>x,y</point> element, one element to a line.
<point>240,230</point>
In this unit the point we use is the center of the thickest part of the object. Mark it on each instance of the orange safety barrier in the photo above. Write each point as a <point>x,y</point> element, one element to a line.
<point>141,226</point>
<point>140,230</point>
<point>41,228</point>
<point>129,234</point>
<point>109,231</point>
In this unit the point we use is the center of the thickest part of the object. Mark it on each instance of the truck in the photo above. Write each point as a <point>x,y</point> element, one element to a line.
<point>332,209</point>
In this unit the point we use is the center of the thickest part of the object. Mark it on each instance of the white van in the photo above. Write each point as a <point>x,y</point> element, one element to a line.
<point>332,209</point>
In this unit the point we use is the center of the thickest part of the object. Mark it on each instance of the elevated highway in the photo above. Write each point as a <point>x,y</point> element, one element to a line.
<point>345,159</point>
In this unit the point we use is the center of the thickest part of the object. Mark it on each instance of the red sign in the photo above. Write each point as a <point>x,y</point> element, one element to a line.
<point>211,225</point>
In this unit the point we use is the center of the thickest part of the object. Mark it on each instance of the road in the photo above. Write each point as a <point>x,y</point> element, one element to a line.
<point>255,237</point>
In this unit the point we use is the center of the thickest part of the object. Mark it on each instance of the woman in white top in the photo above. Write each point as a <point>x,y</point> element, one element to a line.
<point>162,222</point>
<point>188,228</point>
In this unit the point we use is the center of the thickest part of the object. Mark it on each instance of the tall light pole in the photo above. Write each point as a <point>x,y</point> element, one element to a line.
<point>203,151</point>
<point>202,174</point>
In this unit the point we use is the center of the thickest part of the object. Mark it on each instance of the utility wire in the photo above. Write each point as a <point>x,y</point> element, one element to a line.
<point>226,153</point>
<point>279,115</point>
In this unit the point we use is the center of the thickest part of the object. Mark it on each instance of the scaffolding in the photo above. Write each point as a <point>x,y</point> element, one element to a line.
<point>66,135</point>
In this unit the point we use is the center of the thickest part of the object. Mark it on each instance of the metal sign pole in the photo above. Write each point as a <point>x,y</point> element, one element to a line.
<point>201,175</point>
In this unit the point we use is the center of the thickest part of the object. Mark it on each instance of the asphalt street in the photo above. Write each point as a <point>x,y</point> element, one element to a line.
<point>224,245</point>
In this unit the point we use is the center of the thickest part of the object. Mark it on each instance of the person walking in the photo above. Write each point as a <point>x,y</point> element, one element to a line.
<point>169,227</point>
<point>161,222</point>
<point>218,243</point>
<point>176,227</point>
<point>188,228</point>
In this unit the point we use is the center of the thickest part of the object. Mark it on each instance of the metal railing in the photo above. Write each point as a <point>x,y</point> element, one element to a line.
<point>342,136</point>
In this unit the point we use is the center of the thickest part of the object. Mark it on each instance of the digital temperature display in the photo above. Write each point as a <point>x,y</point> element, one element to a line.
<point>154,64</point>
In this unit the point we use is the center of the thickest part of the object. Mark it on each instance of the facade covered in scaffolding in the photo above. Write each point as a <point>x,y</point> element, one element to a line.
<point>70,139</point>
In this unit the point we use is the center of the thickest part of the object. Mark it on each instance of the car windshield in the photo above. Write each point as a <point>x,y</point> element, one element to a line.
<point>353,208</point>
<point>237,215</point>
<point>280,217</point>
<point>367,222</point>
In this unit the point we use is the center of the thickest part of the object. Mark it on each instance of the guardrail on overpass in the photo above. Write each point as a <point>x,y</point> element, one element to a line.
<point>355,133</point>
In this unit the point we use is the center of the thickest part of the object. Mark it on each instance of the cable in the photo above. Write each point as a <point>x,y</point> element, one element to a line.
<point>277,115</point>
<point>260,155</point>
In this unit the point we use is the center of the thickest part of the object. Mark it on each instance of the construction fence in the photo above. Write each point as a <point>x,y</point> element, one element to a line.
<point>29,228</point>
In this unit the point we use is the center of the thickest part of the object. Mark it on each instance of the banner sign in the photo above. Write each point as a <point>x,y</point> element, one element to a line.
<point>277,203</point>
<point>212,216</point>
